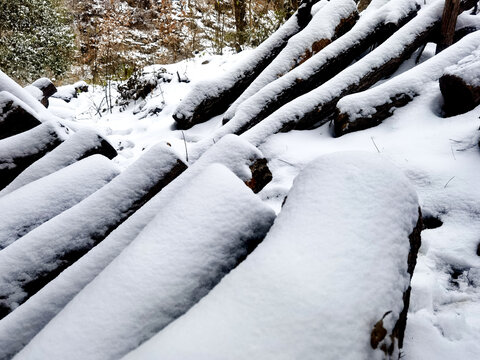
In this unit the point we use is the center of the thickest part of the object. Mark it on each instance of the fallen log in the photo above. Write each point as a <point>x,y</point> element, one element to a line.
<point>316,107</point>
<point>370,30</point>
<point>20,151</point>
<point>80,145</point>
<point>211,98</point>
<point>36,203</point>
<point>460,85</point>
<point>15,116</point>
<point>64,239</point>
<point>42,89</point>
<point>369,108</point>
<point>182,259</point>
<point>231,151</point>
<point>342,292</point>
<point>332,21</point>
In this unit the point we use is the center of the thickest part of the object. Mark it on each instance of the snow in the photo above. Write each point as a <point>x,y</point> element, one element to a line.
<point>71,150</point>
<point>230,151</point>
<point>318,283</point>
<point>205,89</point>
<point>82,226</point>
<point>173,263</point>
<point>29,143</point>
<point>412,82</point>
<point>34,91</point>
<point>6,97</point>
<point>321,27</point>
<point>468,69</point>
<point>41,200</point>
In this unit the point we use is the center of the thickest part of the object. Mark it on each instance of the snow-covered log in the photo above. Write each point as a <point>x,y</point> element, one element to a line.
<point>80,145</point>
<point>460,84</point>
<point>332,21</point>
<point>370,30</point>
<point>34,204</point>
<point>231,151</point>
<point>369,108</point>
<point>213,97</point>
<point>38,257</point>
<point>338,260</point>
<point>20,151</point>
<point>42,89</point>
<point>315,107</point>
<point>15,116</point>
<point>170,266</point>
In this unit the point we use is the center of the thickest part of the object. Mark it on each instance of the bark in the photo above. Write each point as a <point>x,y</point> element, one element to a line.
<point>218,103</point>
<point>14,119</point>
<point>261,175</point>
<point>449,20</point>
<point>20,151</point>
<point>240,11</point>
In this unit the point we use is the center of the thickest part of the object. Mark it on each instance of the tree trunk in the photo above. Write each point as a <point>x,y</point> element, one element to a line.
<point>449,20</point>
<point>239,9</point>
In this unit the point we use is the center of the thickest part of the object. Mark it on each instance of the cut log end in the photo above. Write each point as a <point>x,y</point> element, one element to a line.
<point>14,120</point>
<point>261,175</point>
<point>459,97</point>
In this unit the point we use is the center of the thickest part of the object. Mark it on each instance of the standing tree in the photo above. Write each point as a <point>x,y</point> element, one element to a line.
<point>35,39</point>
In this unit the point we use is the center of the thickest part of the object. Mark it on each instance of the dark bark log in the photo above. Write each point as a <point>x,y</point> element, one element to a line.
<point>330,69</point>
<point>459,96</point>
<point>217,104</point>
<point>14,119</point>
<point>261,175</point>
<point>449,21</point>
<point>118,200</point>
<point>20,151</point>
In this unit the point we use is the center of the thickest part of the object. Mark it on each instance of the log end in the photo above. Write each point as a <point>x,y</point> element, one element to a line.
<point>459,97</point>
<point>261,175</point>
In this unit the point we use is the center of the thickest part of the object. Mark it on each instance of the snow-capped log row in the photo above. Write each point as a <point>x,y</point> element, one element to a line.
<point>335,266</point>
<point>15,116</point>
<point>20,151</point>
<point>460,84</point>
<point>315,107</point>
<point>80,145</point>
<point>371,29</point>
<point>35,259</point>
<point>173,263</point>
<point>329,23</point>
<point>42,89</point>
<point>34,204</point>
<point>230,151</point>
<point>369,108</point>
<point>213,97</point>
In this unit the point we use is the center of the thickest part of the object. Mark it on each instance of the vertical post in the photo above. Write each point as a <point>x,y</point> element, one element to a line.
<point>449,20</point>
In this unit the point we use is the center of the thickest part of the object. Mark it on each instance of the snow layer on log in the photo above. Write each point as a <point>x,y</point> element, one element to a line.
<point>83,143</point>
<point>391,12</point>
<point>231,151</point>
<point>306,109</point>
<point>368,108</point>
<point>41,200</point>
<point>207,99</point>
<point>468,69</point>
<point>172,264</point>
<point>35,259</point>
<point>306,292</point>
<point>15,115</point>
<point>20,151</point>
<point>319,32</point>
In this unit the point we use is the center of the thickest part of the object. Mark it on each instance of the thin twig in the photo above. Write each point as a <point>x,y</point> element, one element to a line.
<point>376,147</point>
<point>186,150</point>
<point>453,154</point>
<point>448,182</point>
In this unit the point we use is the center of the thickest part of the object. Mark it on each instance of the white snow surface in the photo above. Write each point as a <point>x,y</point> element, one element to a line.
<point>412,82</point>
<point>468,68</point>
<point>75,228</point>
<point>33,204</point>
<point>321,27</point>
<point>230,151</point>
<point>174,262</point>
<point>332,265</point>
<point>63,155</point>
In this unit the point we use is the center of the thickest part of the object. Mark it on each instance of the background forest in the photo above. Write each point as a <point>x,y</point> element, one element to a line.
<point>99,40</point>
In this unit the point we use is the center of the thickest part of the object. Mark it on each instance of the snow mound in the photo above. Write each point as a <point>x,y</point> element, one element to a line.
<point>308,291</point>
<point>189,246</point>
